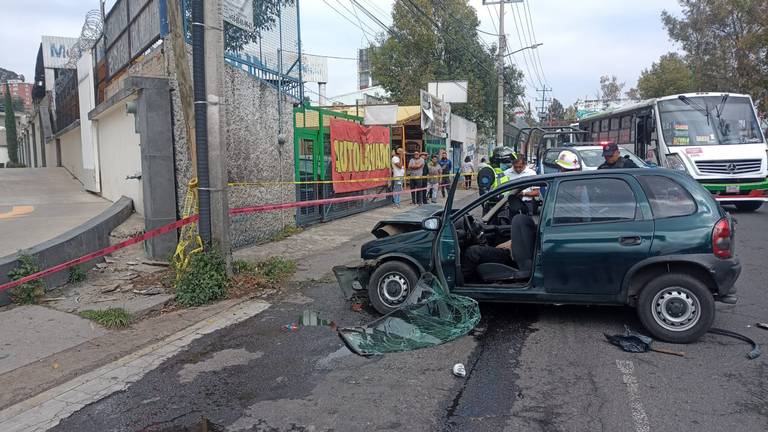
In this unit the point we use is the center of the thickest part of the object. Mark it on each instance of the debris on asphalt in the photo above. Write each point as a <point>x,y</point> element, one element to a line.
<point>357,307</point>
<point>109,288</point>
<point>156,263</point>
<point>132,263</point>
<point>149,291</point>
<point>755,353</point>
<point>763,326</point>
<point>634,342</point>
<point>291,327</point>
<point>101,265</point>
<point>459,370</point>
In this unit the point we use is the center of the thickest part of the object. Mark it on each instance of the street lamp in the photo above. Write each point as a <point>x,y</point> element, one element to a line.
<point>534,46</point>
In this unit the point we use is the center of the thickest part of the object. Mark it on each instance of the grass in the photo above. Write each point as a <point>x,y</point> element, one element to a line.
<point>76,274</point>
<point>273,270</point>
<point>109,318</point>
<point>29,292</point>
<point>286,232</point>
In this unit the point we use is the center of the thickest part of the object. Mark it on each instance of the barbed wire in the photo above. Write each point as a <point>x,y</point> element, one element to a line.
<point>90,33</point>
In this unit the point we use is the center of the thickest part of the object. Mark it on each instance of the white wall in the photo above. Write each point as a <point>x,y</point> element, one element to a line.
<point>119,156</point>
<point>464,131</point>
<point>3,153</point>
<point>87,102</point>
<point>71,153</point>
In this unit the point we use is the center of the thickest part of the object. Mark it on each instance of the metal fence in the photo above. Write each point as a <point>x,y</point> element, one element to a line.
<point>270,52</point>
<point>67,104</point>
<point>130,28</point>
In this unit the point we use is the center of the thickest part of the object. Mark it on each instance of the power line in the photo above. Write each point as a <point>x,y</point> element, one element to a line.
<point>524,43</point>
<point>352,13</point>
<point>524,54</point>
<point>344,16</point>
<point>373,17</point>
<point>358,20</point>
<point>527,32</point>
<point>533,33</point>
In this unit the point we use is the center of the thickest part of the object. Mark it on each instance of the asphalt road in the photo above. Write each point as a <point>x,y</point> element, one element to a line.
<point>530,368</point>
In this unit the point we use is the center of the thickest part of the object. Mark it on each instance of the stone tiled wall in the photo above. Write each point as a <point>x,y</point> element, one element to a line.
<point>253,154</point>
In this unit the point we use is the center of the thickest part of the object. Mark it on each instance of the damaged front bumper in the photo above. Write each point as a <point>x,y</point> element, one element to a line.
<point>353,278</point>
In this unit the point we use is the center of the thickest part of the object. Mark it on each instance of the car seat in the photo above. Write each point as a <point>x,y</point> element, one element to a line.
<point>523,234</point>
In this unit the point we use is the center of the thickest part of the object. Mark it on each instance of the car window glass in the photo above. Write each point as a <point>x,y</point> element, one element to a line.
<point>594,200</point>
<point>667,197</point>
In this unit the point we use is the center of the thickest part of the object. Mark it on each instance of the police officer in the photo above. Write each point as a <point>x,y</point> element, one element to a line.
<point>613,158</point>
<point>501,160</point>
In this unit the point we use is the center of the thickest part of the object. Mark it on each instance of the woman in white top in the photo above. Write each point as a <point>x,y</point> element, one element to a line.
<point>467,169</point>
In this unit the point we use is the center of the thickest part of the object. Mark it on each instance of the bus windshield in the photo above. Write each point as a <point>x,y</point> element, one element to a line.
<point>709,120</point>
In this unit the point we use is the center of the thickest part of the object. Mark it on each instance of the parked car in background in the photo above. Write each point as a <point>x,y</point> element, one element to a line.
<point>590,157</point>
<point>654,239</point>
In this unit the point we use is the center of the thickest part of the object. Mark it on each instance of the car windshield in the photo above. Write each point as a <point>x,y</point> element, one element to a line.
<point>709,120</point>
<point>593,158</point>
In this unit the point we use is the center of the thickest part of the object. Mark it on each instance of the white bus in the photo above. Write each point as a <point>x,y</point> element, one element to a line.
<point>714,137</point>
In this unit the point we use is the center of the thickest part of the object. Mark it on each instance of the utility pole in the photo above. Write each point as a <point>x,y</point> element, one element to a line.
<point>544,101</point>
<point>215,115</point>
<point>500,96</point>
<point>500,66</point>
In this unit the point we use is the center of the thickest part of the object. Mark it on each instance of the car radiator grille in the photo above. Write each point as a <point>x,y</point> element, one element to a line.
<point>743,166</point>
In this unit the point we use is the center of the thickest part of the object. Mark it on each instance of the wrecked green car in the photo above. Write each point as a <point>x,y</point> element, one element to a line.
<point>651,239</point>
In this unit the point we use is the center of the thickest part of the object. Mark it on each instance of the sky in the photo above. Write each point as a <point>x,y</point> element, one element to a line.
<point>582,40</point>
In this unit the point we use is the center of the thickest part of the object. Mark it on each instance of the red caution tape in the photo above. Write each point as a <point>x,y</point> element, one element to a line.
<point>180,223</point>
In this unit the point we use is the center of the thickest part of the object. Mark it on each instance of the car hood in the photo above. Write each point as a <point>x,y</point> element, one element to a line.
<point>405,222</point>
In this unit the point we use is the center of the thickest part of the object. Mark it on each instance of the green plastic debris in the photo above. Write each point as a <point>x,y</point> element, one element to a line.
<point>429,317</point>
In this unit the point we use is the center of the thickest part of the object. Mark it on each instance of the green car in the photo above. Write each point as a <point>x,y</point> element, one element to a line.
<point>655,240</point>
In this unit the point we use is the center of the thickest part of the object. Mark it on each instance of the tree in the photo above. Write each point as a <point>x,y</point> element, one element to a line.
<point>610,88</point>
<point>726,45</point>
<point>633,94</point>
<point>670,75</point>
<point>556,110</point>
<point>417,50</point>
<point>10,127</point>
<point>570,114</point>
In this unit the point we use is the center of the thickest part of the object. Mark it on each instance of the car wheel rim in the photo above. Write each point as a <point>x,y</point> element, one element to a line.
<point>393,289</point>
<point>676,309</point>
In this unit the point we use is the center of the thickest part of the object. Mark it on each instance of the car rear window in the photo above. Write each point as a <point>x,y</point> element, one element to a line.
<point>667,197</point>
<point>594,200</point>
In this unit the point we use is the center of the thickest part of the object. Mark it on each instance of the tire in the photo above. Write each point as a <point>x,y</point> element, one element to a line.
<point>748,206</point>
<point>676,308</point>
<point>390,285</point>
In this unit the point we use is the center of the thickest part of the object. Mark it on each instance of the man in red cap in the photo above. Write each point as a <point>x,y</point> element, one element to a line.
<point>613,158</point>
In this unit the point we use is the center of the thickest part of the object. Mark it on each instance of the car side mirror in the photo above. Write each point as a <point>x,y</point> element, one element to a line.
<point>431,223</point>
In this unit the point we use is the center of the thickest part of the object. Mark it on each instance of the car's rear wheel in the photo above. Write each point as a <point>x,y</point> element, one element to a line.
<point>676,308</point>
<point>390,284</point>
<point>748,206</point>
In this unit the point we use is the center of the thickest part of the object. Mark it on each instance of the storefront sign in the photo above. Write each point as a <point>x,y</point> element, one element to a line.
<point>358,153</point>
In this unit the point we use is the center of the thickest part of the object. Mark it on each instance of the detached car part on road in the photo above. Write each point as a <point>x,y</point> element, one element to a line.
<point>655,240</point>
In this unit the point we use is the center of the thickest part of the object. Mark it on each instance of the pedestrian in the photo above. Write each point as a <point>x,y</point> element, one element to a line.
<point>422,194</point>
<point>613,159</point>
<point>483,163</point>
<point>446,165</point>
<point>467,169</point>
<point>415,168</point>
<point>398,172</point>
<point>434,178</point>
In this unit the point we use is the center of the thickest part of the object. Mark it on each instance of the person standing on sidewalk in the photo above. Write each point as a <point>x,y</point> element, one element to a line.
<point>415,168</point>
<point>398,172</point>
<point>422,194</point>
<point>434,170</point>
<point>467,169</point>
<point>447,167</point>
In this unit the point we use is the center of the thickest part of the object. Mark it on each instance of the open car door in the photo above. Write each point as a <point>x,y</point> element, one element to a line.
<point>431,315</point>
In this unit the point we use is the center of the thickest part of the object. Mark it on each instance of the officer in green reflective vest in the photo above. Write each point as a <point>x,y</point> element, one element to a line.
<point>501,160</point>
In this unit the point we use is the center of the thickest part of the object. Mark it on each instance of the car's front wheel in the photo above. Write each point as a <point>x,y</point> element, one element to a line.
<point>676,308</point>
<point>390,284</point>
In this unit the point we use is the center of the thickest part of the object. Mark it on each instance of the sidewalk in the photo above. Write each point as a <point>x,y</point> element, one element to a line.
<point>53,362</point>
<point>320,247</point>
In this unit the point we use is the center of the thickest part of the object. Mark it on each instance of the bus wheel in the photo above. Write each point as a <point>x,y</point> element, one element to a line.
<point>748,206</point>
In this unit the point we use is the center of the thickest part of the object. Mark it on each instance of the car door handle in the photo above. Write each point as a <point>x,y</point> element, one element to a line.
<point>630,241</point>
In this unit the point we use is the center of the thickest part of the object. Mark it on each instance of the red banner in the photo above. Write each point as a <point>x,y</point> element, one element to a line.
<point>359,152</point>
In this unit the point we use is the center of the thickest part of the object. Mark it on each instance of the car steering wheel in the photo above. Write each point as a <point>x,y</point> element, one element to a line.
<point>474,232</point>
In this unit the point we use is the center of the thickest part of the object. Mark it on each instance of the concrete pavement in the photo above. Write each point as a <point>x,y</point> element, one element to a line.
<point>37,204</point>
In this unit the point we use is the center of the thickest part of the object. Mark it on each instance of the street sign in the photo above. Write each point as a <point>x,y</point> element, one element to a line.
<point>239,13</point>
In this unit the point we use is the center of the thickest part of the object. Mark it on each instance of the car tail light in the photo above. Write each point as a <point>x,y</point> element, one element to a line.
<point>721,239</point>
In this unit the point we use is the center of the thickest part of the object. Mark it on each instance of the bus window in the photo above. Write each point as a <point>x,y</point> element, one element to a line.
<point>604,125</point>
<point>615,123</point>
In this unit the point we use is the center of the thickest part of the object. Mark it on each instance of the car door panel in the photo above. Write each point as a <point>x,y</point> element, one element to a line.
<point>590,253</point>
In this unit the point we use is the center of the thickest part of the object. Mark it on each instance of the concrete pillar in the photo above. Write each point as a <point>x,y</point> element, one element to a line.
<point>322,101</point>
